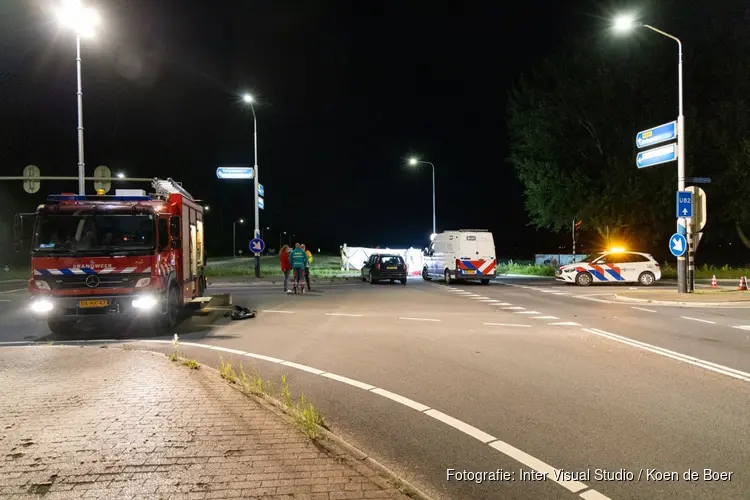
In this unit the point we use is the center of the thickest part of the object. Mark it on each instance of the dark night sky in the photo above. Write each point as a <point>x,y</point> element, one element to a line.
<point>347,90</point>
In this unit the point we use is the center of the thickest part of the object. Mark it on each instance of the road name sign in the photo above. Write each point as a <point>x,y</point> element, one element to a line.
<point>257,245</point>
<point>656,135</point>
<point>698,180</point>
<point>235,172</point>
<point>684,204</point>
<point>261,203</point>
<point>677,245</point>
<point>656,156</point>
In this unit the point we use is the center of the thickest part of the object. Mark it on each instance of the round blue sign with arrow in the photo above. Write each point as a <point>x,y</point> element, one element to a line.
<point>678,245</point>
<point>257,245</point>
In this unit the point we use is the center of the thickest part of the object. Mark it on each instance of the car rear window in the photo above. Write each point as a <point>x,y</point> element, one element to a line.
<point>391,260</point>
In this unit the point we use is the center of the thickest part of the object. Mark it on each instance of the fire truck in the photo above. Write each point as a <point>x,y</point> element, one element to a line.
<point>129,255</point>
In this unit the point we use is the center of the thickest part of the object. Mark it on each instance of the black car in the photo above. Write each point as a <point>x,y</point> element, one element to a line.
<point>381,267</point>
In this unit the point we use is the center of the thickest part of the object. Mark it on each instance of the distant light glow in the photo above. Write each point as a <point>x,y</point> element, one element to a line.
<point>242,221</point>
<point>120,175</point>
<point>624,23</point>
<point>83,20</point>
<point>206,208</point>
<point>248,98</point>
<point>413,161</point>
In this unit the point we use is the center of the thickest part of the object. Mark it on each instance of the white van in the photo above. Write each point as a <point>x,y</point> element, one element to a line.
<point>466,254</point>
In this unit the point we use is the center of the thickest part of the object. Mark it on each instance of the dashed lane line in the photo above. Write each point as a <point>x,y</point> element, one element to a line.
<point>565,323</point>
<point>643,309</point>
<point>420,319</point>
<point>513,308</point>
<point>345,314</point>
<point>545,317</point>
<point>507,324</point>
<point>698,319</point>
<point>277,311</point>
<point>528,312</point>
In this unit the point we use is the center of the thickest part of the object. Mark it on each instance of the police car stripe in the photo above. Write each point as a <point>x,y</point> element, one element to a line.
<point>615,274</point>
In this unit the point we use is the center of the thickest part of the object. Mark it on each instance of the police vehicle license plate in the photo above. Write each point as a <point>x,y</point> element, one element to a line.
<point>469,271</point>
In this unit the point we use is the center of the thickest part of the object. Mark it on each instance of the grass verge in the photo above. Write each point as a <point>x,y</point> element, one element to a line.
<point>511,267</point>
<point>323,266</point>
<point>668,271</point>
<point>307,417</point>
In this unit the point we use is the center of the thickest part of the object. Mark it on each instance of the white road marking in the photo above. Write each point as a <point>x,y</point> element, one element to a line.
<point>535,463</point>
<point>501,446</point>
<point>594,299</point>
<point>593,495</point>
<point>400,399</point>
<point>528,312</point>
<point>461,426</point>
<point>274,311</point>
<point>724,370</point>
<point>506,324</point>
<point>548,290</point>
<point>304,368</point>
<point>565,323</point>
<point>420,319</point>
<point>480,298</point>
<point>742,327</point>
<point>16,290</point>
<point>511,308</point>
<point>698,319</point>
<point>227,349</point>
<point>545,317</point>
<point>489,301</point>
<point>344,314</point>
<point>347,380</point>
<point>643,309</point>
<point>503,304</point>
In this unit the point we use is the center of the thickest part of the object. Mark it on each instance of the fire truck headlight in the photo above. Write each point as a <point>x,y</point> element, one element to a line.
<point>41,306</point>
<point>143,282</point>
<point>41,285</point>
<point>145,302</point>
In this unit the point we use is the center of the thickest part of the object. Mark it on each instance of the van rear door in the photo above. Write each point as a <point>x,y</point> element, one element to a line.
<point>477,254</point>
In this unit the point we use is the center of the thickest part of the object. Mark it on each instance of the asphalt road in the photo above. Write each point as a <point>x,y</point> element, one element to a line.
<point>522,375</point>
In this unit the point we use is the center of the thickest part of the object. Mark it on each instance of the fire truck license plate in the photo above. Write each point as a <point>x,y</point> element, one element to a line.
<point>93,303</point>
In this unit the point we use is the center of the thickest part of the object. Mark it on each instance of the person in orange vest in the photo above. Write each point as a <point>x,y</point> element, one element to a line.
<point>308,261</point>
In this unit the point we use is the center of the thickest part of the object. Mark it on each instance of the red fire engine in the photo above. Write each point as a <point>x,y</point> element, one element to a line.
<point>128,255</point>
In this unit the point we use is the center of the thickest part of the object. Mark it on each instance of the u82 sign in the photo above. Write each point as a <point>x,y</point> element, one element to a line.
<point>684,204</point>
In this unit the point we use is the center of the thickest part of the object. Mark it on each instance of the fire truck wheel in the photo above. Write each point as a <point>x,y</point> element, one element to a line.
<point>171,317</point>
<point>60,327</point>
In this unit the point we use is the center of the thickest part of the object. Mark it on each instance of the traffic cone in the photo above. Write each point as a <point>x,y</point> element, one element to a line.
<point>743,284</point>
<point>713,282</point>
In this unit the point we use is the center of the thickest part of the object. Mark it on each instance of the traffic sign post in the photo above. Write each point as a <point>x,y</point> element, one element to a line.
<point>678,245</point>
<point>656,156</point>
<point>656,135</point>
<point>684,204</point>
<point>235,173</point>
<point>257,246</point>
<point>261,203</point>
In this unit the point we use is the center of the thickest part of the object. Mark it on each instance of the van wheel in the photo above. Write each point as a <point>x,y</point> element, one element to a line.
<point>369,278</point>
<point>485,282</point>
<point>448,279</point>
<point>646,278</point>
<point>425,276</point>
<point>403,282</point>
<point>584,279</point>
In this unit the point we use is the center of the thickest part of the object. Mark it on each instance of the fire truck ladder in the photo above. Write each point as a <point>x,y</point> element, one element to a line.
<point>169,186</point>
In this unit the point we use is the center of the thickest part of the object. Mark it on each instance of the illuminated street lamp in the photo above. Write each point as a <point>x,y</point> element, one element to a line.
<point>234,236</point>
<point>120,175</point>
<point>82,20</point>
<point>626,23</point>
<point>414,162</point>
<point>206,208</point>
<point>249,99</point>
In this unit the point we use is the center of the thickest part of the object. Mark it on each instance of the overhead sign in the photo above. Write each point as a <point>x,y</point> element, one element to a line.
<point>656,156</point>
<point>656,135</point>
<point>31,186</point>
<point>699,208</point>
<point>235,172</point>
<point>257,245</point>
<point>261,191</point>
<point>261,203</point>
<point>104,173</point>
<point>684,204</point>
<point>677,245</point>
<point>698,180</point>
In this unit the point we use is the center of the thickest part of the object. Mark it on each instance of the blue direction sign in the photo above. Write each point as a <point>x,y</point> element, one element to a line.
<point>656,135</point>
<point>684,204</point>
<point>261,191</point>
<point>656,156</point>
<point>235,172</point>
<point>257,245</point>
<point>677,245</point>
<point>698,180</point>
<point>261,203</point>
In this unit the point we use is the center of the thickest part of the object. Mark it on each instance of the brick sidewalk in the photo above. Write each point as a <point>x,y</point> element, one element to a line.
<point>97,423</point>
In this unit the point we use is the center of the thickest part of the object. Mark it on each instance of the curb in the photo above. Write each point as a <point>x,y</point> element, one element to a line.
<point>674,303</point>
<point>332,443</point>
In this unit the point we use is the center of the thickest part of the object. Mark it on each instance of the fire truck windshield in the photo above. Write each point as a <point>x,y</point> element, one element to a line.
<point>94,233</point>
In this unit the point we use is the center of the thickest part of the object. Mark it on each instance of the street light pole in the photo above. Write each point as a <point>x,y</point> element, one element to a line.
<point>249,99</point>
<point>414,161</point>
<point>81,167</point>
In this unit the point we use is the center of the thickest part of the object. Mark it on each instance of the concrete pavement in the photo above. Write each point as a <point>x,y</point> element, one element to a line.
<point>523,376</point>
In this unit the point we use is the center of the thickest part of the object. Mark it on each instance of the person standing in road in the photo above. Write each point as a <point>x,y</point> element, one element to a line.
<point>298,259</point>
<point>286,266</point>
<point>308,262</point>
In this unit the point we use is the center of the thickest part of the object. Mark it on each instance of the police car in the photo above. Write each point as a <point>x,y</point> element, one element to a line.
<point>613,266</point>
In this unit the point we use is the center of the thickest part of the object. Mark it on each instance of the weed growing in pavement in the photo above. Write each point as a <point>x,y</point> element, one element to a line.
<point>192,364</point>
<point>309,418</point>
<point>286,395</point>
<point>227,371</point>
<point>253,382</point>
<point>175,349</point>
<point>126,347</point>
